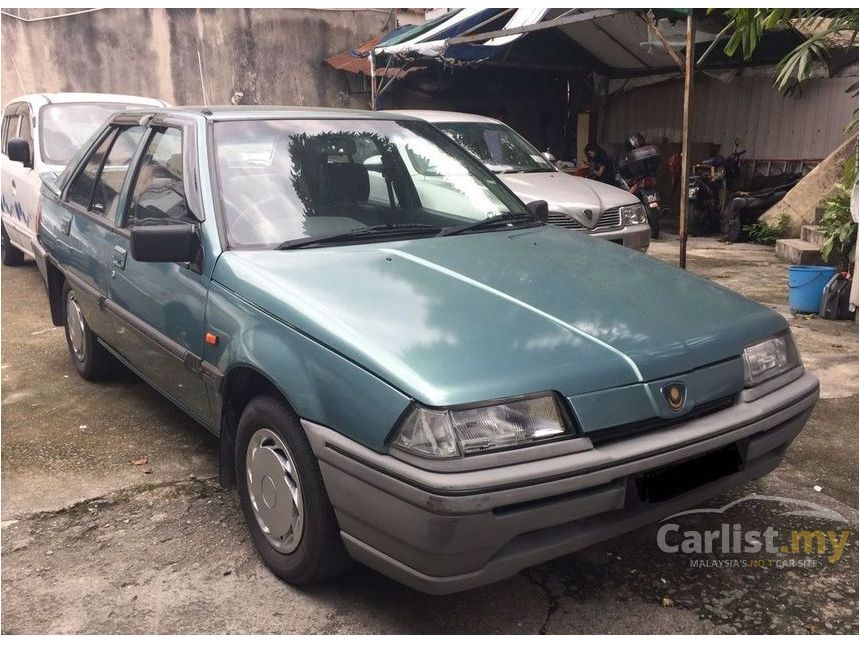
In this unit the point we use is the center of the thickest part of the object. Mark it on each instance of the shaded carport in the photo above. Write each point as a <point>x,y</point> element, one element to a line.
<point>599,52</point>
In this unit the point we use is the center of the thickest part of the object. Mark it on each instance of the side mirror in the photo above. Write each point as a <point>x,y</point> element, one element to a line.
<point>539,209</point>
<point>165,243</point>
<point>548,156</point>
<point>19,150</point>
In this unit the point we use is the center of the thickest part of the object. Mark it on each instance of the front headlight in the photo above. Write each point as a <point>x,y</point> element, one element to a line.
<point>769,358</point>
<point>459,432</point>
<point>634,214</point>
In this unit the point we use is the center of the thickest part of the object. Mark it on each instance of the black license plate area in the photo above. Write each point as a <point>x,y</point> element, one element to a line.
<point>667,482</point>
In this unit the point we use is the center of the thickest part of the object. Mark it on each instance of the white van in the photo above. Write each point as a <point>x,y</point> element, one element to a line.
<point>41,133</point>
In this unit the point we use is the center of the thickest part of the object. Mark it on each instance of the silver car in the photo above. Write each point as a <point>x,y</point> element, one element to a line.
<point>575,203</point>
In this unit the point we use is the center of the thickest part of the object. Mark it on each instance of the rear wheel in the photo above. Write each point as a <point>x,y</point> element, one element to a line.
<point>91,360</point>
<point>654,221</point>
<point>283,497</point>
<point>696,223</point>
<point>11,255</point>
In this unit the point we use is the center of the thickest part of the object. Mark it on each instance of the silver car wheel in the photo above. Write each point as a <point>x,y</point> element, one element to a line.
<point>274,490</point>
<point>75,324</point>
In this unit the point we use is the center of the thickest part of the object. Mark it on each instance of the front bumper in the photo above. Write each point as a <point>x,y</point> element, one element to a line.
<point>636,237</point>
<point>442,532</point>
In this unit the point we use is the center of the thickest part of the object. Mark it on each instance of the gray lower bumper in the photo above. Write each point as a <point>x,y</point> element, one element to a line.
<point>443,532</point>
<point>636,237</point>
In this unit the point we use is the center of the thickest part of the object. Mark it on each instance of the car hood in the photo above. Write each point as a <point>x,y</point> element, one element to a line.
<point>565,193</point>
<point>489,315</point>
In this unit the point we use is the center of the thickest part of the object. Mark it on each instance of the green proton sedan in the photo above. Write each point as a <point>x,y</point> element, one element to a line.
<point>403,362</point>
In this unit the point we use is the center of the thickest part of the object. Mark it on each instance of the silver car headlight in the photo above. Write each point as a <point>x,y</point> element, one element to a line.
<point>457,432</point>
<point>770,358</point>
<point>634,214</point>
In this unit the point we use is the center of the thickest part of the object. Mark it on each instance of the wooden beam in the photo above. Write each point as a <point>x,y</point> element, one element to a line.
<point>652,27</point>
<point>538,26</point>
<point>685,137</point>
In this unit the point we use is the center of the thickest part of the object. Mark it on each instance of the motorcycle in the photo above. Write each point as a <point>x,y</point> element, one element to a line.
<point>745,208</point>
<point>708,188</point>
<point>637,172</point>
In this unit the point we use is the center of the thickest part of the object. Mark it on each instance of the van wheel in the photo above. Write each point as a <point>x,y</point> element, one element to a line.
<point>283,497</point>
<point>11,255</point>
<point>91,360</point>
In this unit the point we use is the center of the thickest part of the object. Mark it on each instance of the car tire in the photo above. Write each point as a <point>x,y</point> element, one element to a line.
<point>11,255</point>
<point>90,358</point>
<point>273,461</point>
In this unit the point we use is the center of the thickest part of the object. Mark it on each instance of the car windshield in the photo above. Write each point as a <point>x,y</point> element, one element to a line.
<point>65,127</point>
<point>497,146</point>
<point>284,180</point>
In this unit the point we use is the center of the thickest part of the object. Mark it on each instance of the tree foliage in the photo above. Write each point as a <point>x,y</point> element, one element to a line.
<point>824,26</point>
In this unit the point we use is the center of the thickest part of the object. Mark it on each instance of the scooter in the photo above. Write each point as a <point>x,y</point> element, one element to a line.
<point>637,174</point>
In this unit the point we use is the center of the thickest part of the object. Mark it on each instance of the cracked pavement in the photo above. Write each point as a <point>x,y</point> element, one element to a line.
<point>94,544</point>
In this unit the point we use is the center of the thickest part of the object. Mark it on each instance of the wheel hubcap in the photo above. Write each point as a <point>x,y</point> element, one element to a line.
<point>75,324</point>
<point>274,490</point>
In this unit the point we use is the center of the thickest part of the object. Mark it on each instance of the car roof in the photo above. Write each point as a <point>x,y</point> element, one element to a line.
<point>440,116</point>
<point>244,112</point>
<point>87,97</point>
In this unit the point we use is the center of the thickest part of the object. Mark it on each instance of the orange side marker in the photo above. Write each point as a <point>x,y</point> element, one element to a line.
<point>210,338</point>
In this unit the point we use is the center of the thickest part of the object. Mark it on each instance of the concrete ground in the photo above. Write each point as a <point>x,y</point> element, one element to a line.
<point>92,542</point>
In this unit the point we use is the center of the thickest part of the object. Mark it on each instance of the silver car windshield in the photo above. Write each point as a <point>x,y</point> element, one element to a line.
<point>497,146</point>
<point>283,180</point>
<point>65,127</point>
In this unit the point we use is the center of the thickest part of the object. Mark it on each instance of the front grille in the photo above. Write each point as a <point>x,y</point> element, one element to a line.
<point>610,219</point>
<point>616,433</point>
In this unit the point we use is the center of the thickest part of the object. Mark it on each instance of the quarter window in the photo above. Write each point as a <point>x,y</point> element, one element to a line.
<point>81,189</point>
<point>97,186</point>
<point>159,192</point>
<point>114,171</point>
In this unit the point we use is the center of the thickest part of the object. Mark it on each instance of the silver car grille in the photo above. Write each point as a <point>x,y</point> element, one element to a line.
<point>611,218</point>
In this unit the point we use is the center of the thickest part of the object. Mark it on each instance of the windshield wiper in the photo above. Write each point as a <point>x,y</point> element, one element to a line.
<point>357,234</point>
<point>505,219</point>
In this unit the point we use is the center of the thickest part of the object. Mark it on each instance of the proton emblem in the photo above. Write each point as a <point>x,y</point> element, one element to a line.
<point>588,214</point>
<point>675,395</point>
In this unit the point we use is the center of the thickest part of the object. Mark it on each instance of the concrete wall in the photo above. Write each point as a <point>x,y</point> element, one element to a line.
<point>266,56</point>
<point>771,126</point>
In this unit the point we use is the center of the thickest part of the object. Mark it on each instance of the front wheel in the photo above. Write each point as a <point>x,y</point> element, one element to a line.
<point>283,497</point>
<point>11,255</point>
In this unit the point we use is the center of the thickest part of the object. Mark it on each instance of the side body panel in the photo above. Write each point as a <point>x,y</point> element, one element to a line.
<point>320,384</point>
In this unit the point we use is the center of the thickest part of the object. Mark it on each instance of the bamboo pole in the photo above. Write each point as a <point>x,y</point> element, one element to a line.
<point>685,137</point>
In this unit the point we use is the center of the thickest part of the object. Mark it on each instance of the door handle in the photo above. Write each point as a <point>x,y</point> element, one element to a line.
<point>66,225</point>
<point>119,255</point>
<point>13,183</point>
